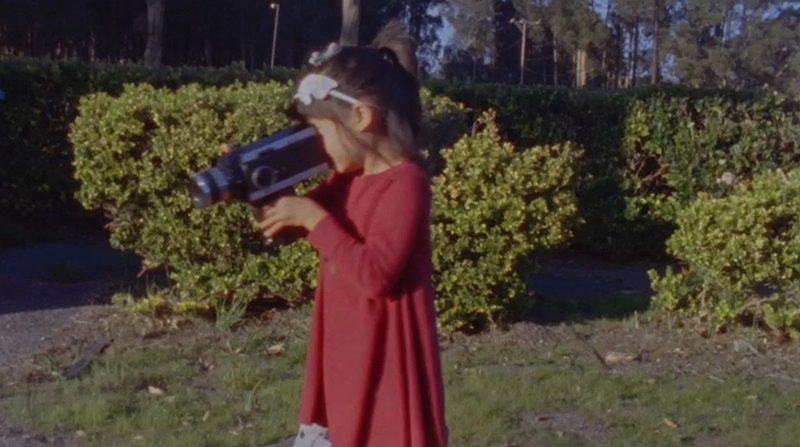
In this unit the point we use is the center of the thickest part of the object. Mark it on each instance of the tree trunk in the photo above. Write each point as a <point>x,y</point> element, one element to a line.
<point>242,39</point>
<point>92,47</point>
<point>207,52</point>
<point>656,69</point>
<point>635,53</point>
<point>555,62</point>
<point>581,73</point>
<point>474,68</point>
<point>416,14</point>
<point>155,31</point>
<point>350,22</point>
<point>618,55</point>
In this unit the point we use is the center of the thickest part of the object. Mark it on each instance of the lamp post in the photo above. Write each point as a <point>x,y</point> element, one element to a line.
<point>277,7</point>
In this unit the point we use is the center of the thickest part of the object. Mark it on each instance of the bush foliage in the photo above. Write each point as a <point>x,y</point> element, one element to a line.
<point>648,155</point>
<point>134,155</point>
<point>741,256</point>
<point>493,208</point>
<point>42,101</point>
<point>648,152</point>
<point>678,147</point>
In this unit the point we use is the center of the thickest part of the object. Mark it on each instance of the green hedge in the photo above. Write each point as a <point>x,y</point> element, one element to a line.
<point>41,102</point>
<point>678,147</point>
<point>740,255</point>
<point>135,153</point>
<point>648,152</point>
<point>134,156</point>
<point>493,208</point>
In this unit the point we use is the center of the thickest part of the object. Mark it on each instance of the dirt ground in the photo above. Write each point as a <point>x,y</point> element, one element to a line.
<point>18,437</point>
<point>55,307</point>
<point>51,296</point>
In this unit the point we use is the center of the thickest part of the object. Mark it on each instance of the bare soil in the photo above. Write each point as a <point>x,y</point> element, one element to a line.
<point>49,308</point>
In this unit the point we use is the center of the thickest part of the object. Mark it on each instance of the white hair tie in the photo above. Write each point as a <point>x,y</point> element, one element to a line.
<point>317,86</point>
<point>318,58</point>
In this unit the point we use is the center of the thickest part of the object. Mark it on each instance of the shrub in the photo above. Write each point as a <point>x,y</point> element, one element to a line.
<point>445,122</point>
<point>677,147</point>
<point>134,156</point>
<point>41,102</point>
<point>741,256</point>
<point>649,152</point>
<point>493,208</point>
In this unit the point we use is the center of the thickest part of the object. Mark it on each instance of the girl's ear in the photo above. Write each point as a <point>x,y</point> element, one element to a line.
<point>364,117</point>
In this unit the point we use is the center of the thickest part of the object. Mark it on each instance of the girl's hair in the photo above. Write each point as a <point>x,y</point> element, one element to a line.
<point>382,74</point>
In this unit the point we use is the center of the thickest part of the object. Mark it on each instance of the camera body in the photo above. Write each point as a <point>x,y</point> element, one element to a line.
<point>260,172</point>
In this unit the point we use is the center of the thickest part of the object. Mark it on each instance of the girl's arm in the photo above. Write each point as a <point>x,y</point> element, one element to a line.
<point>375,263</point>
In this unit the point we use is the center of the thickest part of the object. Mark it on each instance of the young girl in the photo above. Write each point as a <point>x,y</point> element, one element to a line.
<point>373,374</point>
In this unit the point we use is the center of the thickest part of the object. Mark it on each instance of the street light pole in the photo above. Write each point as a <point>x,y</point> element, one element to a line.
<point>277,7</point>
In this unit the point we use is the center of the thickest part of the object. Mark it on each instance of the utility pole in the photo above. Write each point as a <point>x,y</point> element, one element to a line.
<point>277,7</point>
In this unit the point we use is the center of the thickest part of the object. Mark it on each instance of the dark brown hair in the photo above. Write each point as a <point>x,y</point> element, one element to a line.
<point>383,75</point>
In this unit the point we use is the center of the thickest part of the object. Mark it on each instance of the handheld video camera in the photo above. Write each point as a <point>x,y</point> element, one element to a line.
<point>261,171</point>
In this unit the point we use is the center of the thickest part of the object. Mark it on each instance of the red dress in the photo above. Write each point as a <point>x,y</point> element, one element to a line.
<point>373,373</point>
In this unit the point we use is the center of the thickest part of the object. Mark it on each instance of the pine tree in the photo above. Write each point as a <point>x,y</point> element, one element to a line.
<point>579,32</point>
<point>769,54</point>
<point>703,55</point>
<point>473,23</point>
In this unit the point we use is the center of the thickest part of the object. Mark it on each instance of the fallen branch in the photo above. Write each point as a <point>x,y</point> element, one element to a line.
<point>91,353</point>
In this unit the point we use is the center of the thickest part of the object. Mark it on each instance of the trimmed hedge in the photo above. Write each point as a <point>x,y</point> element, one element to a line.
<point>41,102</point>
<point>678,147</point>
<point>134,155</point>
<point>741,256</point>
<point>493,208</point>
<point>648,152</point>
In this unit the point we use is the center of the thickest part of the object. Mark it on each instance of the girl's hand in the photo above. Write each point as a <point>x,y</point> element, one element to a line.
<point>289,211</point>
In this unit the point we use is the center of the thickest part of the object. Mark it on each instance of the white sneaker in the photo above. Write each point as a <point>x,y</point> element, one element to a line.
<point>313,435</point>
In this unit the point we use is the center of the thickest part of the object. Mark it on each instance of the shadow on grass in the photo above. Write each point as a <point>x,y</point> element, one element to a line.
<point>553,311</point>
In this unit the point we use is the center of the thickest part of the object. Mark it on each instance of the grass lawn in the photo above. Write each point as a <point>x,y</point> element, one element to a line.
<point>637,380</point>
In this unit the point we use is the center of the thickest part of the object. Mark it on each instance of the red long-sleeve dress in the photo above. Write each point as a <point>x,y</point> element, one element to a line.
<point>373,373</point>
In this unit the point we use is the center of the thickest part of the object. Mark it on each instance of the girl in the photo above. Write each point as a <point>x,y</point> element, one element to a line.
<point>373,375</point>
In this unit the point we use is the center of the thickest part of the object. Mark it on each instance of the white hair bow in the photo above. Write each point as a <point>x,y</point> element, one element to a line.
<point>317,86</point>
<point>318,58</point>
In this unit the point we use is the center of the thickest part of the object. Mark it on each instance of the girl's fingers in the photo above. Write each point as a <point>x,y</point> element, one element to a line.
<point>268,216</point>
<point>269,221</point>
<point>271,231</point>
